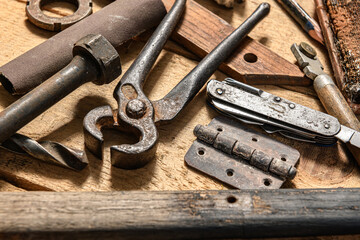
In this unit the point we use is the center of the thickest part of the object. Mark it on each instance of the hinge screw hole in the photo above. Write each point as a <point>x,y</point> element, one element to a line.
<point>230,172</point>
<point>267,182</point>
<point>201,151</point>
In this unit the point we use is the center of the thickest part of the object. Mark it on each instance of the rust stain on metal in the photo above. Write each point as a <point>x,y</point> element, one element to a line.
<point>241,157</point>
<point>129,91</point>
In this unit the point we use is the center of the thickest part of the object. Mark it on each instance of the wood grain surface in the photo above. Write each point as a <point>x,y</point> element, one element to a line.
<point>8,187</point>
<point>200,31</point>
<point>179,214</point>
<point>318,167</point>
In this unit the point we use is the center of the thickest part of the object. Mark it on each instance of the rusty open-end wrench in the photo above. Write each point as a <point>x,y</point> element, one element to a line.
<point>137,113</point>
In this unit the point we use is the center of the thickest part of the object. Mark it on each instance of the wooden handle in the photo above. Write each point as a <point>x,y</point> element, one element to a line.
<point>180,214</point>
<point>336,105</point>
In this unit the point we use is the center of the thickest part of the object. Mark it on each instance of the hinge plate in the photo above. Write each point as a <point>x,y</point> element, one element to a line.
<point>235,171</point>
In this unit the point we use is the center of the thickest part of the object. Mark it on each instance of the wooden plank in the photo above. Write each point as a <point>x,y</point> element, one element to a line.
<point>200,31</point>
<point>179,215</point>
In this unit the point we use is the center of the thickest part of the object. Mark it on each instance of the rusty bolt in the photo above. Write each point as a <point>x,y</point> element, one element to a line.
<point>135,108</point>
<point>99,49</point>
<point>307,50</point>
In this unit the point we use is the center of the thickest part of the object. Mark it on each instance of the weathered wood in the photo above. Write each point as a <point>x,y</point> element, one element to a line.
<point>339,23</point>
<point>201,31</point>
<point>179,215</point>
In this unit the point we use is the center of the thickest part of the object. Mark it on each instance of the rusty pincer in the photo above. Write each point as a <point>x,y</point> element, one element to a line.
<point>136,113</point>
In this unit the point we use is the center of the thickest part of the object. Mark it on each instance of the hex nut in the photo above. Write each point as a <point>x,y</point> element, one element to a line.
<point>40,19</point>
<point>100,50</point>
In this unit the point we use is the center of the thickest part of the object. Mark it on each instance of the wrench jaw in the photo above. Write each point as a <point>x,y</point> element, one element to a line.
<point>94,121</point>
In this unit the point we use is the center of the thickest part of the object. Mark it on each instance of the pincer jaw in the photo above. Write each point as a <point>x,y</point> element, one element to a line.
<point>94,121</point>
<point>130,157</point>
<point>125,156</point>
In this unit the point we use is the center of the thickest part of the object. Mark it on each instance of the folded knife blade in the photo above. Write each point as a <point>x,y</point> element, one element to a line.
<point>275,114</point>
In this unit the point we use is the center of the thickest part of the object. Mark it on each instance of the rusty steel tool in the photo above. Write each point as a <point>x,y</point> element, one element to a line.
<point>118,22</point>
<point>47,151</point>
<point>329,94</point>
<point>136,112</point>
<point>40,19</point>
<point>95,59</point>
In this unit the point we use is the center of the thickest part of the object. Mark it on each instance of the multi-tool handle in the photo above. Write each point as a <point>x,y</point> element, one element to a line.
<point>327,91</point>
<point>276,114</point>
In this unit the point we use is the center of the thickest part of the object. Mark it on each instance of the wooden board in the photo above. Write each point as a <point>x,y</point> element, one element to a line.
<point>319,166</point>
<point>200,31</point>
<point>179,214</point>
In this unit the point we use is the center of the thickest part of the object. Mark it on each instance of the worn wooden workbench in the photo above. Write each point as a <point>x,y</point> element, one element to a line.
<point>319,166</point>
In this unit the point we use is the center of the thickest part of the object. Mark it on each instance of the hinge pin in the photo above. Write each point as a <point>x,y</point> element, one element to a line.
<point>256,158</point>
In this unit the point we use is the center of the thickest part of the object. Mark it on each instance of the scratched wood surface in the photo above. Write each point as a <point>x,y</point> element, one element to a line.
<point>194,215</point>
<point>319,166</point>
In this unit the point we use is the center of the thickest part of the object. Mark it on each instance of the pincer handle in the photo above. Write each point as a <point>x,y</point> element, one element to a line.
<point>170,106</point>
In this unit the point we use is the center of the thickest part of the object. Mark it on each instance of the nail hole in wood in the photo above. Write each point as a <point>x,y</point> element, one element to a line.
<point>250,58</point>
<point>230,172</point>
<point>231,199</point>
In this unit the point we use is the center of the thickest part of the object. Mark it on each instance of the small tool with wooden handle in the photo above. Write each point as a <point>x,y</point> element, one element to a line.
<point>330,96</point>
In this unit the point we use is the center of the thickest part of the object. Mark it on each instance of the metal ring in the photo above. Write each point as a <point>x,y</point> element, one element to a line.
<point>37,16</point>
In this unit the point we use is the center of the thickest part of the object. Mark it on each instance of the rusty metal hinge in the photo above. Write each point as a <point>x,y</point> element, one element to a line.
<point>241,157</point>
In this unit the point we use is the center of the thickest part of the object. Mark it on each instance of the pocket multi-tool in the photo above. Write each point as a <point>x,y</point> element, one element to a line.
<point>275,114</point>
